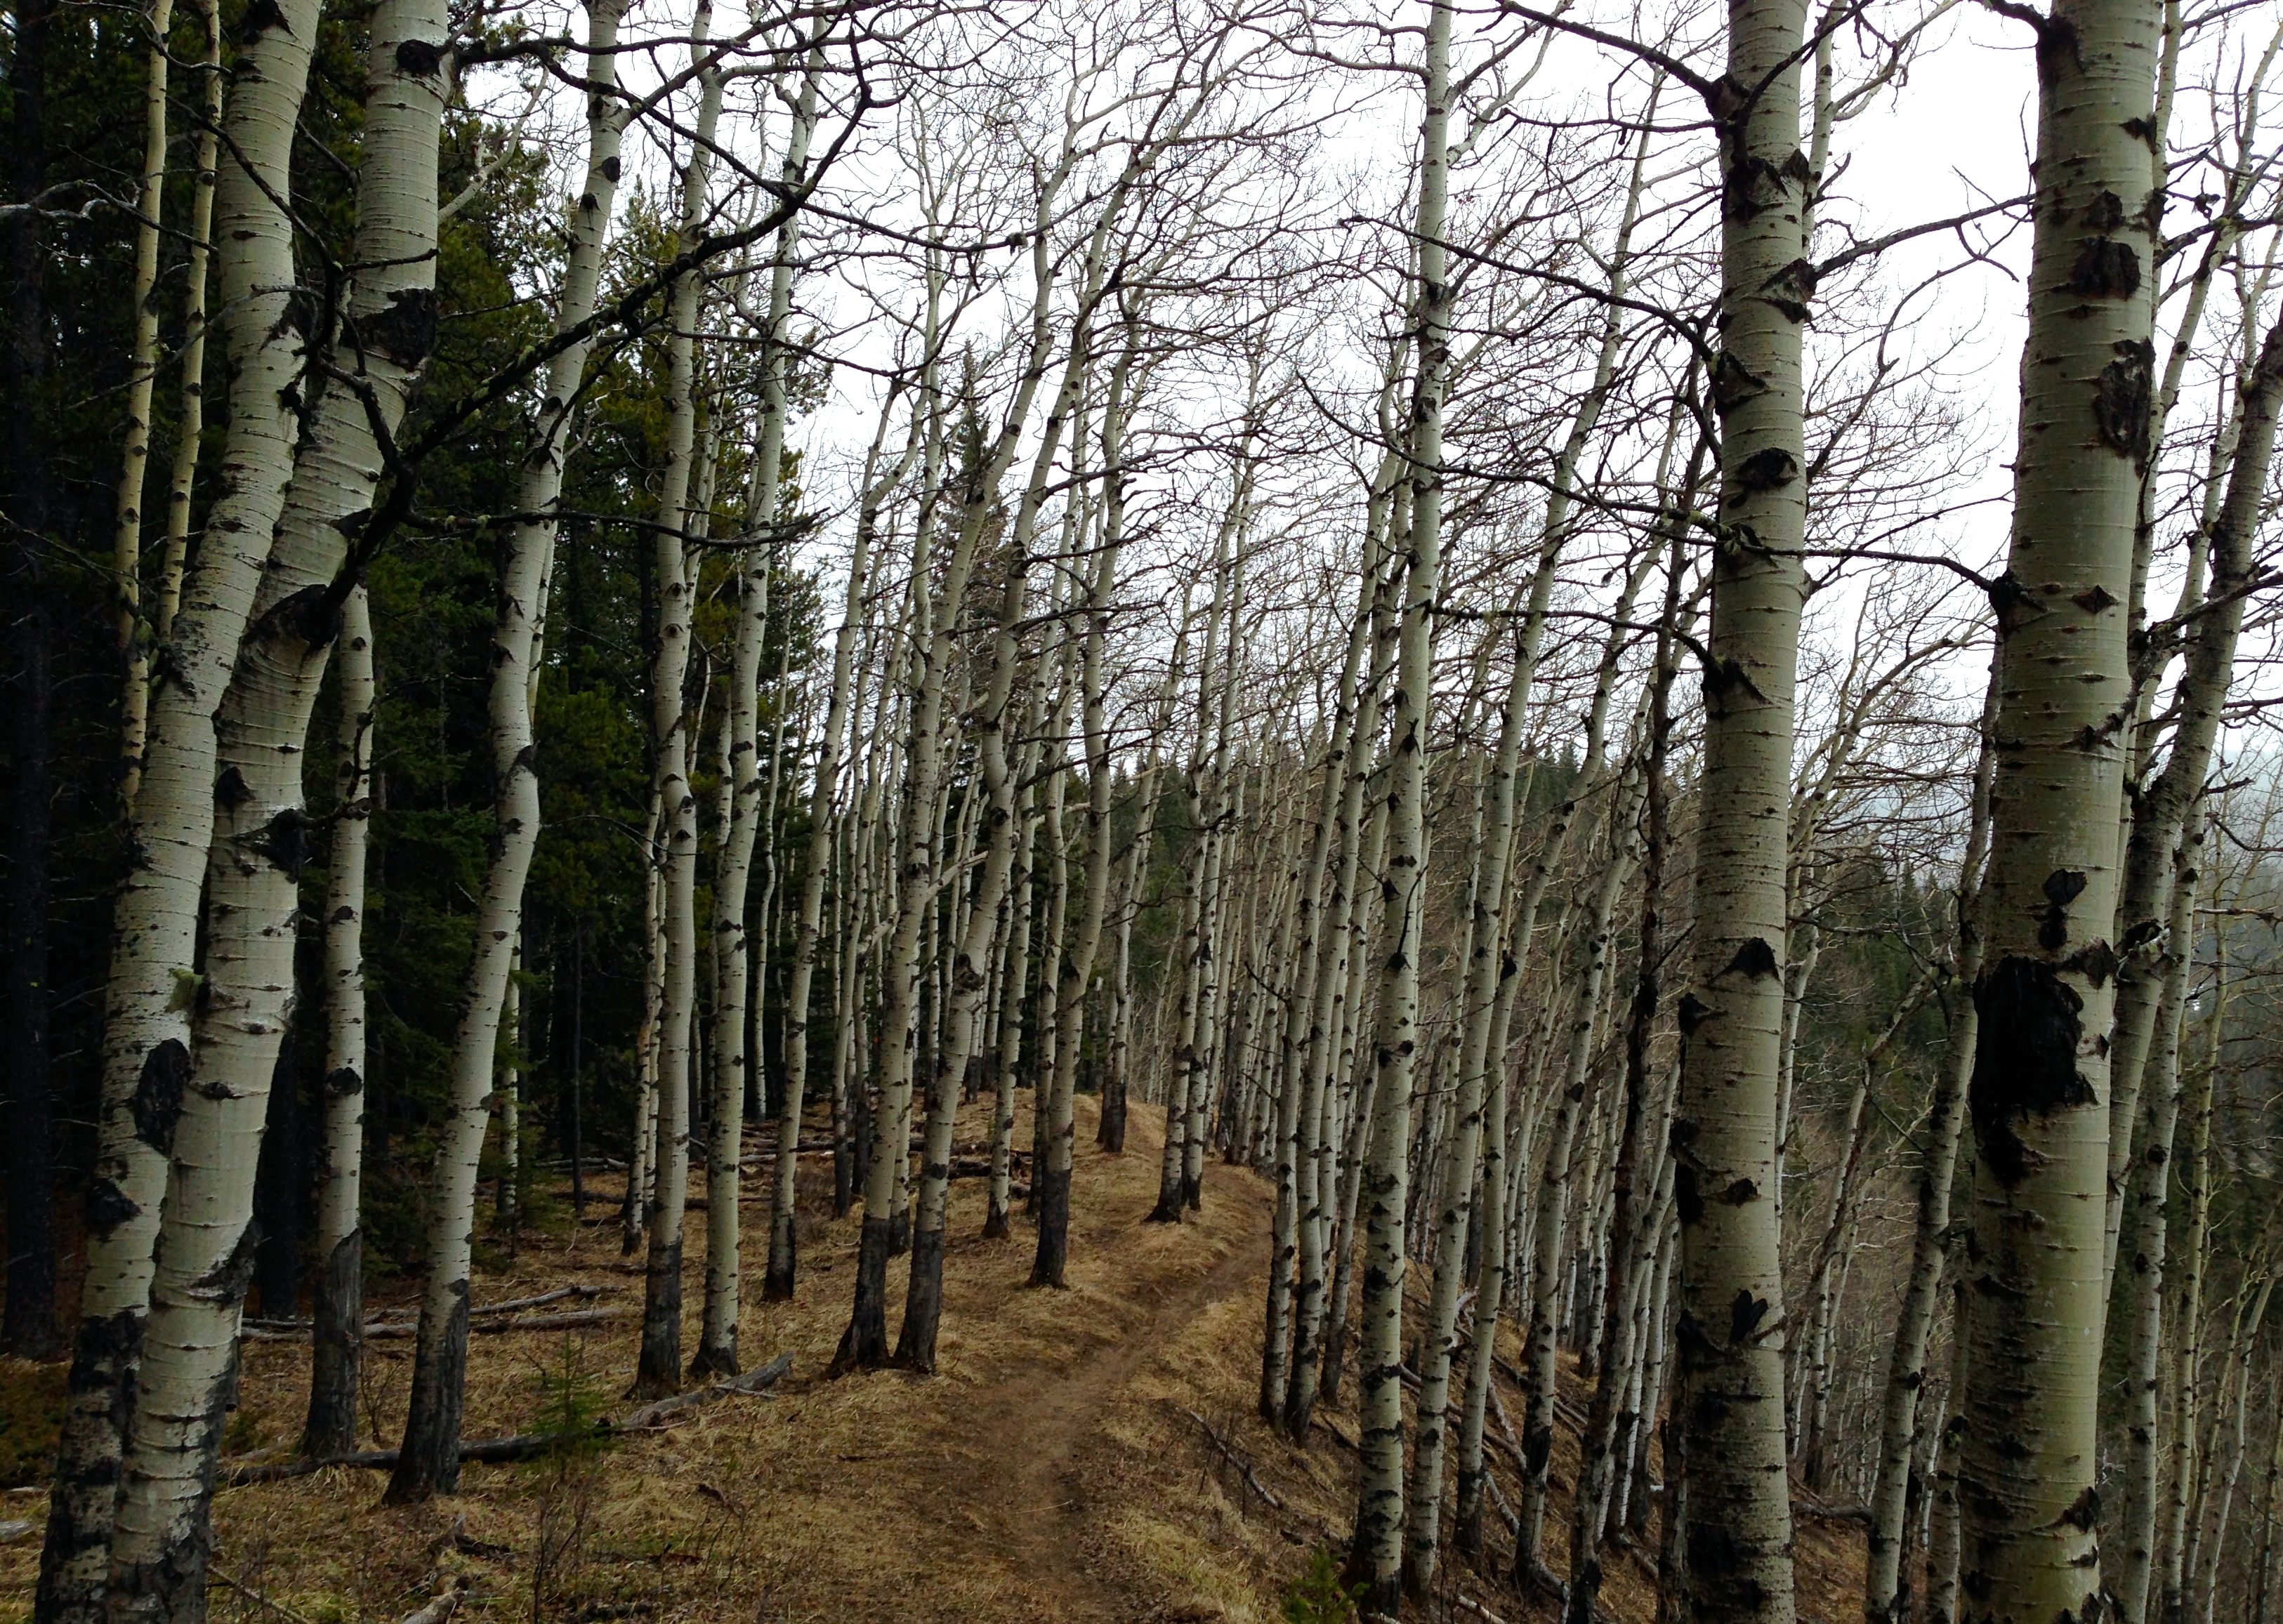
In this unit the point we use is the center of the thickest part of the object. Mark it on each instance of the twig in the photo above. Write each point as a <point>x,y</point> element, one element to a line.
<point>254,1596</point>
<point>1234,1459</point>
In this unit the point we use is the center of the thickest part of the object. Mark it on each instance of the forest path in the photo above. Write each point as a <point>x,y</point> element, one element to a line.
<point>1047,1521</point>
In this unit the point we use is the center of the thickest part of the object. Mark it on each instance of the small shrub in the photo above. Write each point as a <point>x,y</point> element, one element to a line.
<point>1317,1596</point>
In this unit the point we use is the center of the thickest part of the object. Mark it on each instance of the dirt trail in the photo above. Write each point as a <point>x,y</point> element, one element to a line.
<point>1051,1417</point>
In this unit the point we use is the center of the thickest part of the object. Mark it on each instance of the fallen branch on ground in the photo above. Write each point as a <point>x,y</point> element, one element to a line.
<point>295,1329</point>
<point>1229,1454</point>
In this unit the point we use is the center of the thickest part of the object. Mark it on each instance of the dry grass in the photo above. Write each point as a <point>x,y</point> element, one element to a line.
<point>1051,1472</point>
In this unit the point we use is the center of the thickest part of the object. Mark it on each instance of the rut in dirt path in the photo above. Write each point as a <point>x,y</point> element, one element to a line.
<point>1044,1518</point>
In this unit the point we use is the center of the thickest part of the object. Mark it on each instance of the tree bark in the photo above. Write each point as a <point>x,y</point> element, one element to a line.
<point>146,1058</point>
<point>429,1461</point>
<point>2039,1100</point>
<point>1730,1336</point>
<point>337,1314</point>
<point>659,1369</point>
<point>1376,1559</point>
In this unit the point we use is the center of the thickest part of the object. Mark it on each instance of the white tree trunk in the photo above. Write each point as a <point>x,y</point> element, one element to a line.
<point>153,982</point>
<point>259,831</point>
<point>337,1336</point>
<point>2039,1098</point>
<point>429,1462</point>
<point>658,1372</point>
<point>1725,1134</point>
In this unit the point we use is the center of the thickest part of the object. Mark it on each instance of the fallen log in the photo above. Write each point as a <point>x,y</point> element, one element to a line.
<point>518,1446</point>
<point>293,1330</point>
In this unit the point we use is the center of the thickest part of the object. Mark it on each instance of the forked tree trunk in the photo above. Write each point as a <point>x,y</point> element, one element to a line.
<point>2039,1098</point>
<point>147,1012</point>
<point>428,1463</point>
<point>259,833</point>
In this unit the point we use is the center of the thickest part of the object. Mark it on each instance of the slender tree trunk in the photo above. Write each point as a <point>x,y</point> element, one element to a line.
<point>2188,1322</point>
<point>428,1463</point>
<point>1886,1593</point>
<point>1550,1229</point>
<point>258,834</point>
<point>777,1284</point>
<point>190,426</point>
<point>1375,1561</point>
<point>717,1349</point>
<point>658,1371</point>
<point>337,1338</point>
<point>2152,1178</point>
<point>141,375</point>
<point>1300,1182</point>
<point>1632,1231</point>
<point>1050,1174</point>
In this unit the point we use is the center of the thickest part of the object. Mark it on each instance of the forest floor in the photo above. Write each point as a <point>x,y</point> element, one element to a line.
<point>1083,1455</point>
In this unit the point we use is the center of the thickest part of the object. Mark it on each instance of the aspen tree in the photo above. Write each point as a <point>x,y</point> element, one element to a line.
<point>1339,970</point>
<point>924,1306</point>
<point>1724,1133</point>
<point>717,1341</point>
<point>1131,886</point>
<point>1486,975</point>
<point>2152,1178</point>
<point>777,1284</point>
<point>2039,1100</point>
<point>658,1372</point>
<point>1636,1218</point>
<point>1300,1100</point>
<point>259,833</point>
<point>1885,1595</point>
<point>152,979</point>
<point>1015,970</point>
<point>337,1312</point>
<point>2155,806</point>
<point>742,811</point>
<point>2161,811</point>
<point>1050,1174</point>
<point>429,1460</point>
<point>936,611</point>
<point>2188,1314</point>
<point>190,423</point>
<point>1053,840</point>
<point>1207,1057</point>
<point>1827,1277</point>
<point>642,1153</point>
<point>1375,1561</point>
<point>1182,1115</point>
<point>142,375</point>
<point>1550,1227</point>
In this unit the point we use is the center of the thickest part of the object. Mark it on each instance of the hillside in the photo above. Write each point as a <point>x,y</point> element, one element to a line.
<point>1058,1468</point>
